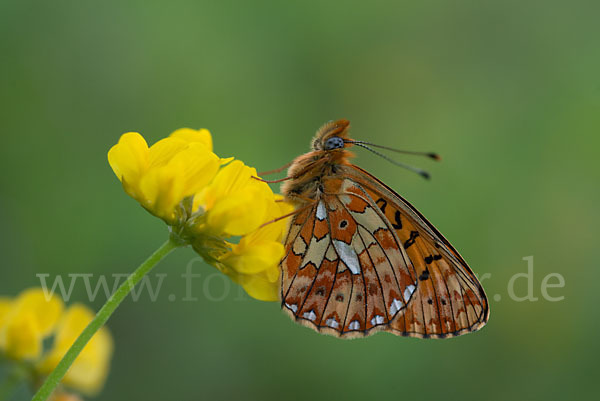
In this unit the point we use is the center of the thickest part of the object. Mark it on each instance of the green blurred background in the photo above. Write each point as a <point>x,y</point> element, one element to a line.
<point>508,92</point>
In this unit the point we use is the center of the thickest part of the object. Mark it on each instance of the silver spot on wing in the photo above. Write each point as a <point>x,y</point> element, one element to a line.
<point>311,315</point>
<point>348,256</point>
<point>331,322</point>
<point>396,306</point>
<point>321,212</point>
<point>408,291</point>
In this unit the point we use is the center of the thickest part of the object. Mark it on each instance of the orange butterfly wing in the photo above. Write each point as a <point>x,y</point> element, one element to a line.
<point>362,259</point>
<point>449,300</point>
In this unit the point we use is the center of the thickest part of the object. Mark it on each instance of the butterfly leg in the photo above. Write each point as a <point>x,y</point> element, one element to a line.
<point>300,210</point>
<point>302,172</point>
<point>277,170</point>
<point>272,181</point>
<point>298,197</point>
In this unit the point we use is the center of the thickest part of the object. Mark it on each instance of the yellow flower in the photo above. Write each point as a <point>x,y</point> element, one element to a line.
<point>234,203</point>
<point>26,321</point>
<point>21,338</point>
<point>219,211</point>
<point>161,176</point>
<point>254,261</point>
<point>46,308</point>
<point>32,317</point>
<point>89,371</point>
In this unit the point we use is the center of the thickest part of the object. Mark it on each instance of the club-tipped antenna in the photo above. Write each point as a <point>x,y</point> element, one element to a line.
<point>422,173</point>
<point>431,155</point>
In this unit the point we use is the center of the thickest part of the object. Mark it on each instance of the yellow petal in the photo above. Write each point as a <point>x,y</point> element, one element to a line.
<point>90,369</point>
<point>191,135</point>
<point>255,257</point>
<point>226,160</point>
<point>272,230</point>
<point>236,175</point>
<point>200,167</point>
<point>164,150</point>
<point>25,321</point>
<point>21,337</point>
<point>232,178</point>
<point>161,188</point>
<point>273,273</point>
<point>46,309</point>
<point>129,158</point>
<point>276,225</point>
<point>254,264</point>
<point>234,202</point>
<point>167,184</point>
<point>260,288</point>
<point>238,214</point>
<point>217,188</point>
<point>163,175</point>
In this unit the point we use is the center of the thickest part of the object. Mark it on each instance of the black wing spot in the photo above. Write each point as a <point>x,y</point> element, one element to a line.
<point>398,224</point>
<point>430,301</point>
<point>424,276</point>
<point>320,291</point>
<point>339,297</point>
<point>411,240</point>
<point>383,204</point>
<point>443,301</point>
<point>343,224</point>
<point>429,259</point>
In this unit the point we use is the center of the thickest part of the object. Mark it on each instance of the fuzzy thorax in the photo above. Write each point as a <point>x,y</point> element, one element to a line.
<point>307,172</point>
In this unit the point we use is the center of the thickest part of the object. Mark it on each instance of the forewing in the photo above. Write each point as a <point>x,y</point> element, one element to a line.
<point>448,300</point>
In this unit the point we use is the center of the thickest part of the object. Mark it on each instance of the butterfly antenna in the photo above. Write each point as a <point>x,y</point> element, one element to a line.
<point>422,173</point>
<point>431,155</point>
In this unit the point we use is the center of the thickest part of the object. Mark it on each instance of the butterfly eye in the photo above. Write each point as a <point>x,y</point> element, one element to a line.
<point>335,142</point>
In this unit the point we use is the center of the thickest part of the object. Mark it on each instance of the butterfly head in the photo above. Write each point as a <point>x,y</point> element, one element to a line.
<point>332,140</point>
<point>332,136</point>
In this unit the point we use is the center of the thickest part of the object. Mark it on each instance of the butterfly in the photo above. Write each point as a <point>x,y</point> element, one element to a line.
<point>360,259</point>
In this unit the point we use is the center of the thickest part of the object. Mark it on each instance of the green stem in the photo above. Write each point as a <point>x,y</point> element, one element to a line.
<point>101,317</point>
